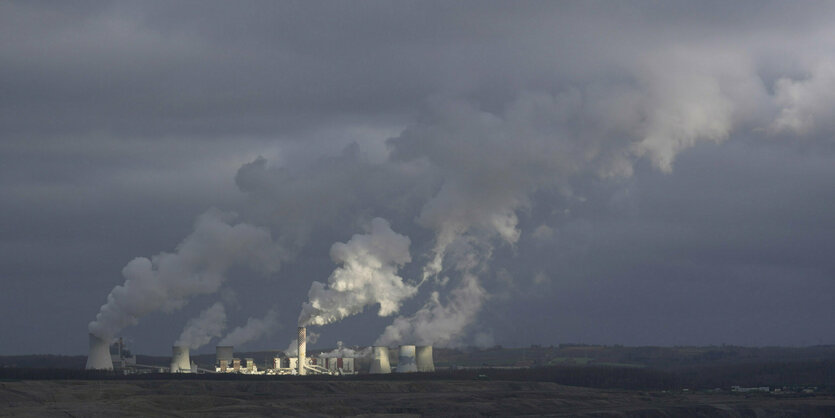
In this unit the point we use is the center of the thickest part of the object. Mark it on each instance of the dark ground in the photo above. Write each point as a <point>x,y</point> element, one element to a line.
<point>107,398</point>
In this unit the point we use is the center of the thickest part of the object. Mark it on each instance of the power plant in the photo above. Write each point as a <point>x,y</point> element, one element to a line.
<point>104,356</point>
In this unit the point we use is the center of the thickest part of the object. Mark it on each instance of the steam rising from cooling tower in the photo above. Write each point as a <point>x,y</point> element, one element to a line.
<point>253,329</point>
<point>437,323</point>
<point>368,276</point>
<point>199,331</point>
<point>168,280</point>
<point>99,356</point>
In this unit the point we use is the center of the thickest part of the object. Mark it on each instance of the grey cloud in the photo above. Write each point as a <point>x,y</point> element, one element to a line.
<point>254,329</point>
<point>167,281</point>
<point>577,147</point>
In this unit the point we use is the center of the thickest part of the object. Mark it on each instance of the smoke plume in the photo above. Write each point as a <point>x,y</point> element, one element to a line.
<point>167,281</point>
<point>253,329</point>
<point>465,170</point>
<point>437,323</point>
<point>368,276</point>
<point>483,167</point>
<point>494,162</point>
<point>199,331</point>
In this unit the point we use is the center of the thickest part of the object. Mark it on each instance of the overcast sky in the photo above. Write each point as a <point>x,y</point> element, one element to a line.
<point>636,173</point>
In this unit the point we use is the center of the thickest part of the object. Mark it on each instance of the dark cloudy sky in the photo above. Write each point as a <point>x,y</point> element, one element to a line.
<point>593,172</point>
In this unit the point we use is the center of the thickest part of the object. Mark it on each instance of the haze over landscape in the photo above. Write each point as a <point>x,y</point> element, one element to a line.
<point>447,173</point>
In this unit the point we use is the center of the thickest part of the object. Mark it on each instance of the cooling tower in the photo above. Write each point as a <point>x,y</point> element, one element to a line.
<point>380,361</point>
<point>224,353</point>
<point>180,363</point>
<point>424,358</point>
<point>406,360</point>
<point>302,349</point>
<point>99,356</point>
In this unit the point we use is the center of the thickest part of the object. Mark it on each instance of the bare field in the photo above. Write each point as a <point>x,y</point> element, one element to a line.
<point>378,398</point>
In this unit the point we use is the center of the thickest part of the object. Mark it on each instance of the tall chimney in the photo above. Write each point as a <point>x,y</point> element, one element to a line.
<point>99,356</point>
<point>302,349</point>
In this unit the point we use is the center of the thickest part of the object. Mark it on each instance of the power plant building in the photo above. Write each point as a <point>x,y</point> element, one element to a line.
<point>339,365</point>
<point>224,355</point>
<point>336,362</point>
<point>123,360</point>
<point>251,368</point>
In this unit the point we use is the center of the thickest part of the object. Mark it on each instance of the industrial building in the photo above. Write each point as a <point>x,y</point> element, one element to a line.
<point>123,360</point>
<point>284,365</point>
<point>410,358</point>
<point>225,355</point>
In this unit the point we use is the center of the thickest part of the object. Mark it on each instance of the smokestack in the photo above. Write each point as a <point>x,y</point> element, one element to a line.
<point>180,362</point>
<point>302,349</point>
<point>406,360</point>
<point>424,358</point>
<point>99,356</point>
<point>224,355</point>
<point>380,361</point>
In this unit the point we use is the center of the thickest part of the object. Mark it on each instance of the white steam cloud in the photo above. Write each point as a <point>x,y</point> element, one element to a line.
<point>254,329</point>
<point>493,162</point>
<point>806,105</point>
<point>167,281</point>
<point>466,169</point>
<point>436,323</point>
<point>368,276</point>
<point>199,331</point>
